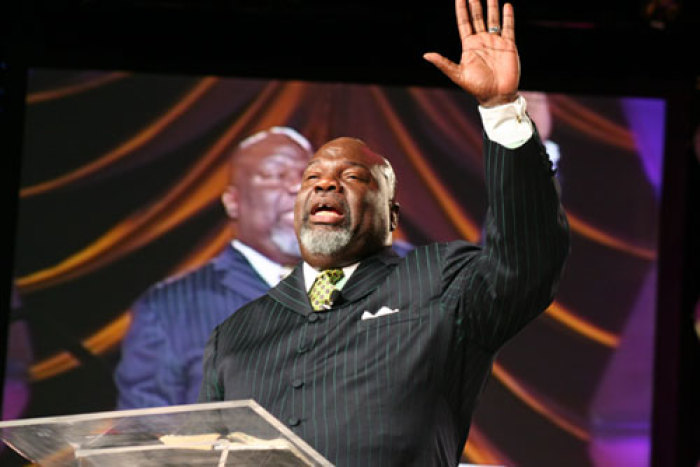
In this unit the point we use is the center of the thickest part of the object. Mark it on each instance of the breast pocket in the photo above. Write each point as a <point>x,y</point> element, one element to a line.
<point>399,318</point>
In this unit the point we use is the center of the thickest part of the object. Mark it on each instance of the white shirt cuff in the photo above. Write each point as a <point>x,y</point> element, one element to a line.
<point>507,124</point>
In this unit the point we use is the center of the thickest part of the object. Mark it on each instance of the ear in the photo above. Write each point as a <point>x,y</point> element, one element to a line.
<point>229,198</point>
<point>394,216</point>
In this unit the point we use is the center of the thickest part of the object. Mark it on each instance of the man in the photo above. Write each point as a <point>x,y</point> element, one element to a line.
<point>162,353</point>
<point>379,360</point>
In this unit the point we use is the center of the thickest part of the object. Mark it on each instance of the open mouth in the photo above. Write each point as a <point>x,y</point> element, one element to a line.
<point>326,213</point>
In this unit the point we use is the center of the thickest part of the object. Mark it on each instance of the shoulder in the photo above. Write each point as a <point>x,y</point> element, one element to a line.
<point>439,251</point>
<point>181,280</point>
<point>184,286</point>
<point>444,258</point>
<point>247,315</point>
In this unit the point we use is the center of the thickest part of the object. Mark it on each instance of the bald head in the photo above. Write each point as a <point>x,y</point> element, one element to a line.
<point>345,143</point>
<point>345,209</point>
<point>277,142</point>
<point>265,178</point>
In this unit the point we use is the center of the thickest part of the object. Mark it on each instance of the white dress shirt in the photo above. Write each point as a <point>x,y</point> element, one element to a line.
<point>270,271</point>
<point>507,124</point>
<point>310,275</point>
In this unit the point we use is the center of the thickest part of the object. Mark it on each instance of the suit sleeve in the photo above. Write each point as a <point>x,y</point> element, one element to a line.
<point>143,376</point>
<point>211,390</point>
<point>513,277</point>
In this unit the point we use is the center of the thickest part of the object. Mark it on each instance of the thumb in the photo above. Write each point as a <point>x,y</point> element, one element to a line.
<point>447,66</point>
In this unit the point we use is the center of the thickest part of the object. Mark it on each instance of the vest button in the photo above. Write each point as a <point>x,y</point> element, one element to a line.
<point>293,421</point>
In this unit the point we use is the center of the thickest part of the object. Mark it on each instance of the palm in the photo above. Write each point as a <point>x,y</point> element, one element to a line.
<point>489,67</point>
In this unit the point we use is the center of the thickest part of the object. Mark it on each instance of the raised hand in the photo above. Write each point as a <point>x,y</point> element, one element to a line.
<point>489,68</point>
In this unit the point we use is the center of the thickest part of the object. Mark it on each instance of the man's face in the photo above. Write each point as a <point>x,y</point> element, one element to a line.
<point>344,211</point>
<point>261,198</point>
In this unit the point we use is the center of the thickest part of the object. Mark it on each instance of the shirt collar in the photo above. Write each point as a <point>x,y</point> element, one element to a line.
<point>310,274</point>
<point>270,271</point>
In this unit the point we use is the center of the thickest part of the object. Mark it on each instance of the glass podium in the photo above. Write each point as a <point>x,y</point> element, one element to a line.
<point>232,433</point>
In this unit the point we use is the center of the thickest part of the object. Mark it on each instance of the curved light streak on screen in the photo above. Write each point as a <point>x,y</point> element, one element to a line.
<point>451,122</point>
<point>590,123</point>
<point>481,450</point>
<point>127,147</point>
<point>525,394</point>
<point>109,336</point>
<point>77,88</point>
<point>579,325</point>
<point>465,225</point>
<point>122,238</point>
<point>593,233</point>
<point>131,233</point>
<point>99,343</point>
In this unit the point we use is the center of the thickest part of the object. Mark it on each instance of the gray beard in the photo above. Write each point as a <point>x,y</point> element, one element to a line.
<point>324,242</point>
<point>286,241</point>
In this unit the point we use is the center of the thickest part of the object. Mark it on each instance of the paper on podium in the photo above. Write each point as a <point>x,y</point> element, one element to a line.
<point>233,433</point>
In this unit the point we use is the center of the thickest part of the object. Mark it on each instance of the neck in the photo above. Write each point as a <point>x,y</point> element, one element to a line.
<point>326,262</point>
<point>339,260</point>
<point>272,253</point>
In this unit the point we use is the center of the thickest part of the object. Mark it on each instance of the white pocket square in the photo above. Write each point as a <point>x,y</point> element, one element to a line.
<point>380,312</point>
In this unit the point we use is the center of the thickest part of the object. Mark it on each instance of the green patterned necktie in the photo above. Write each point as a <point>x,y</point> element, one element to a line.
<point>321,291</point>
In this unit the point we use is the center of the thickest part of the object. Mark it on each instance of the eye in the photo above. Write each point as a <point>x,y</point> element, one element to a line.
<point>355,176</point>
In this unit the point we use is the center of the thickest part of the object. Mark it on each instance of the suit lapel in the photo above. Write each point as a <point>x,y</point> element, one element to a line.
<point>291,292</point>
<point>370,274</point>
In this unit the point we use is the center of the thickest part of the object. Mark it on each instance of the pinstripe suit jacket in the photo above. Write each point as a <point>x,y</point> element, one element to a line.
<point>400,389</point>
<point>161,362</point>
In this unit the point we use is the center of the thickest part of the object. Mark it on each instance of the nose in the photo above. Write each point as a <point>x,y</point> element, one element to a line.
<point>326,184</point>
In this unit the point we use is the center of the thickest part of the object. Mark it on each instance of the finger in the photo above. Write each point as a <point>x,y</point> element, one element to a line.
<point>477,15</point>
<point>508,31</point>
<point>447,66</point>
<point>492,18</point>
<point>465,27</point>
